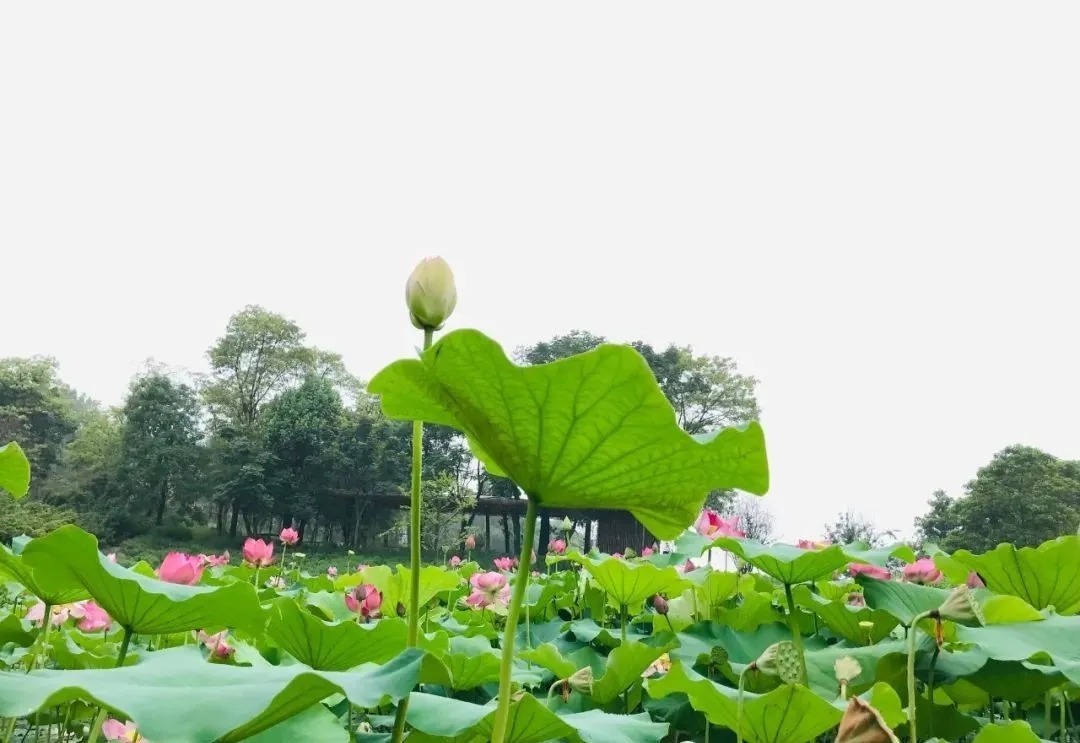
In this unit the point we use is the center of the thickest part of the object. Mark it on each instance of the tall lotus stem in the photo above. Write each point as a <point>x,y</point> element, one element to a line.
<point>912,634</point>
<point>124,647</point>
<point>796,631</point>
<point>414,550</point>
<point>502,714</point>
<point>738,709</point>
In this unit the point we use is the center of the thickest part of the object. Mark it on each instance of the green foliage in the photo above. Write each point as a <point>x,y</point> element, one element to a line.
<point>14,470</point>
<point>583,431</point>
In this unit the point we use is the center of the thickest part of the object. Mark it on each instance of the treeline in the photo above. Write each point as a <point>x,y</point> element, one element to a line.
<point>279,433</point>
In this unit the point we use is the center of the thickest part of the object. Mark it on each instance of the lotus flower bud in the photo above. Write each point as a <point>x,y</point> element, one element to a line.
<point>400,609</point>
<point>430,294</point>
<point>862,723</point>
<point>660,604</point>
<point>567,524</point>
<point>960,606</point>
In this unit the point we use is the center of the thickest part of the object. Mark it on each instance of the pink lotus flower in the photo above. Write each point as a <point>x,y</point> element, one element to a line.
<point>125,732</point>
<point>871,571</point>
<point>217,644</point>
<point>689,566</point>
<point>215,561</point>
<point>646,551</point>
<point>557,546</point>
<point>364,600</point>
<point>487,589</point>
<point>92,618</point>
<point>504,563</point>
<point>258,553</point>
<point>111,557</point>
<point>178,567</point>
<point>809,544</point>
<point>455,561</point>
<point>59,614</point>
<point>331,572</point>
<point>712,525</point>
<point>617,555</point>
<point>922,571</point>
<point>289,536</point>
<point>470,542</point>
<point>974,581</point>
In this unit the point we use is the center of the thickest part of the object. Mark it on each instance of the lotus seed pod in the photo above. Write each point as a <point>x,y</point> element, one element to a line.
<point>780,659</point>
<point>847,669</point>
<point>430,294</point>
<point>718,656</point>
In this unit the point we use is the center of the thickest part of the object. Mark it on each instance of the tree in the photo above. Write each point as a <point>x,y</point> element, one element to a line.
<point>303,429</point>
<point>707,392</point>
<point>941,524</point>
<point>755,520</point>
<point>159,445</point>
<point>88,465</point>
<point>261,354</point>
<point>37,410</point>
<point>559,347</point>
<point>1024,496</point>
<point>851,526</point>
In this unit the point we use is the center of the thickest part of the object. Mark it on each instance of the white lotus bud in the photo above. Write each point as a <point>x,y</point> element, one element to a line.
<point>430,294</point>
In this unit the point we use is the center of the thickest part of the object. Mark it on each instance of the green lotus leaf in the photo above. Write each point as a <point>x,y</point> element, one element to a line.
<point>1054,637</point>
<point>70,556</point>
<point>470,662</point>
<point>624,666</point>
<point>327,646</point>
<point>51,588</point>
<point>629,582</point>
<point>14,470</point>
<point>784,562</point>
<point>845,620</point>
<point>905,601</point>
<point>593,430</point>
<point>1043,576</point>
<point>863,552</point>
<point>787,714</point>
<point>446,719</point>
<point>1016,731</point>
<point>221,702</point>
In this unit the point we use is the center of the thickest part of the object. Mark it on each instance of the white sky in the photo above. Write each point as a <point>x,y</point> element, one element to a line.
<point>872,207</point>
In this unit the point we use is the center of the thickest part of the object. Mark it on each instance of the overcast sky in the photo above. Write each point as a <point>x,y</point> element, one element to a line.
<point>873,208</point>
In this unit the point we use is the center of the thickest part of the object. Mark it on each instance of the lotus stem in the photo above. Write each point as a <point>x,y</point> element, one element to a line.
<point>738,708</point>
<point>1061,721</point>
<point>95,728</point>
<point>912,634</point>
<point>502,714</point>
<point>415,502</point>
<point>622,622</point>
<point>124,647</point>
<point>796,631</point>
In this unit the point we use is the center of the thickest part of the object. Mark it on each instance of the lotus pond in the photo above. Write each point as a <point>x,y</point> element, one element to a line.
<point>791,644</point>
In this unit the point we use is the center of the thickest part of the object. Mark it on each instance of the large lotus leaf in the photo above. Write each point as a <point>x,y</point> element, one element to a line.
<point>219,702</point>
<point>863,552</point>
<point>1005,609</point>
<point>905,601</point>
<point>14,470</point>
<point>787,714</point>
<point>630,583</point>
<point>821,665</point>
<point>1043,576</point>
<point>1016,731</point>
<point>1017,682</point>
<point>713,587</point>
<point>445,719</point>
<point>742,648</point>
<point>470,663</point>
<point>329,646</point>
<point>143,605</point>
<point>1056,636</point>
<point>51,588</point>
<point>548,656</point>
<point>845,620</point>
<point>784,562</point>
<point>593,430</point>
